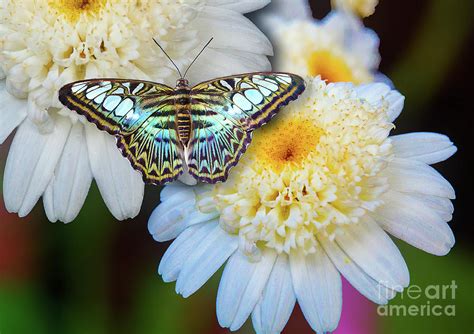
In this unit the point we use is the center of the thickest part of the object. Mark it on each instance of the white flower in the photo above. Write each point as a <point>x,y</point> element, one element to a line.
<point>338,48</point>
<point>46,44</point>
<point>362,8</point>
<point>313,198</point>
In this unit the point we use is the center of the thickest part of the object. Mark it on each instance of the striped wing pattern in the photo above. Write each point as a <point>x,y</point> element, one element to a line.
<point>140,114</point>
<point>143,117</point>
<point>216,144</point>
<point>224,113</point>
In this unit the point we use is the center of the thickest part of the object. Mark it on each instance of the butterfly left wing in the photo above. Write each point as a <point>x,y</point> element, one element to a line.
<point>224,113</point>
<point>140,114</point>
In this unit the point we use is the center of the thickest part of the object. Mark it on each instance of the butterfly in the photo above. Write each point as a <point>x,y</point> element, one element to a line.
<point>201,130</point>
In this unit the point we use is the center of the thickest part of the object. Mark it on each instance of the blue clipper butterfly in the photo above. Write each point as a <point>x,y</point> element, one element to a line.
<point>165,131</point>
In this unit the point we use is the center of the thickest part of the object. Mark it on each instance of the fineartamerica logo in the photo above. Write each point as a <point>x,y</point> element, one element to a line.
<point>435,300</point>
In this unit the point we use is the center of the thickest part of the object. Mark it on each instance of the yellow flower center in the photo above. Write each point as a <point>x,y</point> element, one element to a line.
<point>280,144</point>
<point>330,67</point>
<point>73,9</point>
<point>308,173</point>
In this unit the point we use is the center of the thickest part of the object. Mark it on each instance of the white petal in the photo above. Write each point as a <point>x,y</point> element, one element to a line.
<point>396,102</point>
<point>349,31</point>
<point>241,287</point>
<point>205,260</point>
<point>417,177</point>
<point>121,186</point>
<point>318,289</point>
<point>420,222</point>
<point>219,62</point>
<point>366,285</point>
<point>72,178</point>
<point>372,92</point>
<point>30,164</point>
<point>376,93</point>
<point>175,214</point>
<point>289,10</point>
<point>426,147</point>
<point>241,6</point>
<point>12,112</point>
<point>231,30</point>
<point>278,300</point>
<point>372,249</point>
<point>187,178</point>
<point>172,189</point>
<point>181,249</point>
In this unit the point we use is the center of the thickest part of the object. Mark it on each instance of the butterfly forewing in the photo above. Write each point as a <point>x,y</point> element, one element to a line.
<point>224,113</point>
<point>140,114</point>
<point>253,98</point>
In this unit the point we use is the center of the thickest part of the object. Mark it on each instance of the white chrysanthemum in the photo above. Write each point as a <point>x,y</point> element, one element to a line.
<point>338,48</point>
<point>312,199</point>
<point>362,8</point>
<point>46,44</point>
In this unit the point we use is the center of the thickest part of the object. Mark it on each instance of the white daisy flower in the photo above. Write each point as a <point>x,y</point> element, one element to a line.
<point>313,198</point>
<point>46,44</point>
<point>362,8</point>
<point>338,48</point>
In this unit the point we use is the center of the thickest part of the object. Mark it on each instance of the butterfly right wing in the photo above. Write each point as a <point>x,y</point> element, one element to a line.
<point>224,113</point>
<point>140,114</point>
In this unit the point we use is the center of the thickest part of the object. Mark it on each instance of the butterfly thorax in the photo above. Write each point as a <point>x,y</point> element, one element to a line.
<point>182,103</point>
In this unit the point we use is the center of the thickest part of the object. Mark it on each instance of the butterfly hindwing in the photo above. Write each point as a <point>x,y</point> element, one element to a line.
<point>140,114</point>
<point>216,144</point>
<point>154,149</point>
<point>224,113</point>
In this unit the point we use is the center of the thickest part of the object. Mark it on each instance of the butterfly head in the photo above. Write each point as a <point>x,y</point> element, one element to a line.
<point>182,83</point>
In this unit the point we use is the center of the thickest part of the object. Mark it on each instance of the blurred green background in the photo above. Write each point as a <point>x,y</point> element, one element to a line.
<point>99,276</point>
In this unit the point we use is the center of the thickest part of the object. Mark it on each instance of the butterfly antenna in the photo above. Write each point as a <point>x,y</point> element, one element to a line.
<point>195,58</point>
<point>171,60</point>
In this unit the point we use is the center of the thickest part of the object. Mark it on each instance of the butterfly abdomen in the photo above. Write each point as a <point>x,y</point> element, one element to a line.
<point>183,116</point>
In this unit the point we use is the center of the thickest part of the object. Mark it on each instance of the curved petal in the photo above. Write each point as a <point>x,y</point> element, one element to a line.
<point>241,6</point>
<point>396,101</point>
<point>362,42</point>
<point>241,287</point>
<point>372,249</point>
<point>318,289</point>
<point>172,189</point>
<point>175,214</point>
<point>289,10</point>
<point>72,178</point>
<point>219,62</point>
<point>12,112</point>
<point>413,176</point>
<point>205,260</point>
<point>120,185</point>
<point>426,147</point>
<point>181,249</point>
<point>365,284</point>
<point>372,92</point>
<point>376,93</point>
<point>30,164</point>
<point>231,30</point>
<point>417,220</point>
<point>278,299</point>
